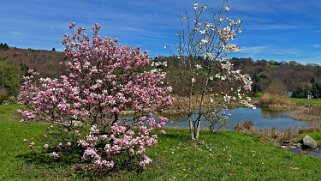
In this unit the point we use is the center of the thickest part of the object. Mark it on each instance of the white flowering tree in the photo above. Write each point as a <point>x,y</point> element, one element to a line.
<point>203,42</point>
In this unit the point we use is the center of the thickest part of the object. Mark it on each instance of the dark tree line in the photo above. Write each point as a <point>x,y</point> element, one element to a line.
<point>313,89</point>
<point>4,46</point>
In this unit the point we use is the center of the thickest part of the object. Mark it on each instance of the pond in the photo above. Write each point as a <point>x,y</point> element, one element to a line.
<point>312,152</point>
<point>262,118</point>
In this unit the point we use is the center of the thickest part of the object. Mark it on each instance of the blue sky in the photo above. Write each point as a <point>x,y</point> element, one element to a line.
<point>272,29</point>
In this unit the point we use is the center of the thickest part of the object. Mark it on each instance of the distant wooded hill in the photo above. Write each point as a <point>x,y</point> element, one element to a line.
<point>268,75</point>
<point>272,74</point>
<point>43,61</point>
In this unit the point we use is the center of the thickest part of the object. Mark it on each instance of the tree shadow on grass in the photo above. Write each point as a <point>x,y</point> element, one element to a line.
<point>177,136</point>
<point>36,158</point>
<point>82,170</point>
<point>44,159</point>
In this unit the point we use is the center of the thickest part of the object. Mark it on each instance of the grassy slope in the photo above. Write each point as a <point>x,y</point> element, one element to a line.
<point>12,165</point>
<point>225,155</point>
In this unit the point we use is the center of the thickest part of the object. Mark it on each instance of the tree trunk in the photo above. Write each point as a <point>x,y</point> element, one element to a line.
<point>191,126</point>
<point>190,114</point>
<point>200,110</point>
<point>198,129</point>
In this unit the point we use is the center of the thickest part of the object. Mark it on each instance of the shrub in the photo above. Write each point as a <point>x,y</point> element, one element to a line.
<point>247,125</point>
<point>3,95</point>
<point>9,79</point>
<point>275,101</point>
<point>102,81</point>
<point>217,119</point>
<point>283,137</point>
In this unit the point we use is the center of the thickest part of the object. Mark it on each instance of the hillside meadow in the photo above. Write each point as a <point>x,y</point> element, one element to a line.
<point>226,155</point>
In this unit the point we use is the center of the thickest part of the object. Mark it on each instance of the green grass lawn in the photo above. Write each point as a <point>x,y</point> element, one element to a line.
<point>313,102</point>
<point>223,156</point>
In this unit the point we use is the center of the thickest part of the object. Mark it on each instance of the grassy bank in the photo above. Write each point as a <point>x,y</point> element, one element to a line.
<point>222,156</point>
<point>307,102</point>
<point>297,101</point>
<point>307,109</point>
<point>301,109</point>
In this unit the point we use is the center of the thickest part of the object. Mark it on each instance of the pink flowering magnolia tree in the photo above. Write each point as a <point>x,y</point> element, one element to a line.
<point>103,80</point>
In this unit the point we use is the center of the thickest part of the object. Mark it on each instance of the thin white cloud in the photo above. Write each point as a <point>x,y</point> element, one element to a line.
<point>274,27</point>
<point>17,33</point>
<point>317,46</point>
<point>255,50</point>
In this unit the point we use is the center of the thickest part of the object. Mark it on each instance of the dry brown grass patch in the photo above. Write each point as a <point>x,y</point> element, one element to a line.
<point>275,101</point>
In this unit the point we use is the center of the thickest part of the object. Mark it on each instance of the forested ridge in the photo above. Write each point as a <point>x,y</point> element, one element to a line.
<point>267,75</point>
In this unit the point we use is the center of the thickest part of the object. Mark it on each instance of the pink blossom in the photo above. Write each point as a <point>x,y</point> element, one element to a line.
<point>60,145</point>
<point>102,80</point>
<point>103,137</point>
<point>115,110</point>
<point>146,160</point>
<point>54,155</point>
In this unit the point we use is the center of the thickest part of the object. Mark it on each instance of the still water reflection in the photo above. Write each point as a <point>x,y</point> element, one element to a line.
<point>261,117</point>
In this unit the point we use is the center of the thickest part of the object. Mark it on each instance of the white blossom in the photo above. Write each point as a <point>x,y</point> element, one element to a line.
<point>195,6</point>
<point>231,48</point>
<point>204,41</point>
<point>227,8</point>
<point>209,56</point>
<point>227,98</point>
<point>203,32</point>
<point>198,66</point>
<point>208,24</point>
<point>165,64</point>
<point>154,70</point>
<point>156,64</point>
<point>238,21</point>
<point>203,8</point>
